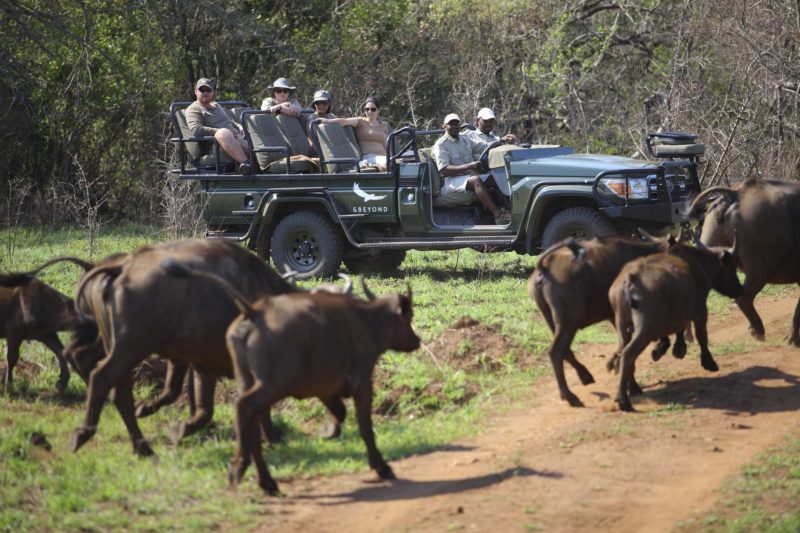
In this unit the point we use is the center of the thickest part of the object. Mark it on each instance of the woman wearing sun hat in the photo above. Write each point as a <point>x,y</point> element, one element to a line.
<point>279,102</point>
<point>322,105</point>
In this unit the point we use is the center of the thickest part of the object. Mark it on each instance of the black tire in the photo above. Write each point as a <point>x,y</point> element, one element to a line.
<point>578,222</point>
<point>308,243</point>
<point>376,262</point>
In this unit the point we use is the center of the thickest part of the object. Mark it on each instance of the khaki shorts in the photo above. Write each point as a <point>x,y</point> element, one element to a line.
<point>454,191</point>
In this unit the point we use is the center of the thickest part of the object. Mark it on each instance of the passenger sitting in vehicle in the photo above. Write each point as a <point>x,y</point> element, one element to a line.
<point>453,156</point>
<point>482,136</point>
<point>204,117</point>
<point>371,133</point>
<point>322,105</point>
<point>279,102</point>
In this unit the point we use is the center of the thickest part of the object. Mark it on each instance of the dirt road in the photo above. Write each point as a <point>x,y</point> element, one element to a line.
<point>550,467</point>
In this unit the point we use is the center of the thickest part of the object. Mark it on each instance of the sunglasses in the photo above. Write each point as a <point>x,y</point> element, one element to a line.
<point>370,109</point>
<point>205,90</point>
<point>281,90</point>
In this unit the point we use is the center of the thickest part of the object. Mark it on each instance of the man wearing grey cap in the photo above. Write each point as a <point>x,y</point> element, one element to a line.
<point>461,182</point>
<point>482,137</point>
<point>279,103</point>
<point>206,118</point>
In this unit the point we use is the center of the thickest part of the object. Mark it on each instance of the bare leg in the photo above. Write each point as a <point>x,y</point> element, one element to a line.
<point>228,142</point>
<point>483,195</point>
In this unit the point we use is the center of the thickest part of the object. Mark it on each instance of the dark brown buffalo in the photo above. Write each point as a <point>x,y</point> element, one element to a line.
<point>32,310</point>
<point>570,287</point>
<point>660,294</point>
<point>138,309</point>
<point>765,215</point>
<point>306,345</point>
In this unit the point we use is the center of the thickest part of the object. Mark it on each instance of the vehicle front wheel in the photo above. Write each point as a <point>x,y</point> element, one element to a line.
<point>578,222</point>
<point>307,243</point>
<point>375,262</point>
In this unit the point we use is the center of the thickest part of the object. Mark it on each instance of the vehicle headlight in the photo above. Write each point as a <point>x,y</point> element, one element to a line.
<point>631,188</point>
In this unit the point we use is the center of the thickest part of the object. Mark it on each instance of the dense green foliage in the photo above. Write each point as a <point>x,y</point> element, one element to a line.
<point>85,86</point>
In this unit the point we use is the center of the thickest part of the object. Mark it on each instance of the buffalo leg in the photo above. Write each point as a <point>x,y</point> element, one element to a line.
<point>204,386</point>
<point>52,342</point>
<point>752,286</point>
<point>123,401</point>
<point>272,433</point>
<point>173,385</point>
<point>679,348</point>
<point>338,411</point>
<point>585,376</point>
<point>660,348</point>
<point>794,335</point>
<point>706,360</point>
<point>250,404</point>
<point>562,339</point>
<point>628,355</point>
<point>111,371</point>
<point>363,400</point>
<point>12,356</point>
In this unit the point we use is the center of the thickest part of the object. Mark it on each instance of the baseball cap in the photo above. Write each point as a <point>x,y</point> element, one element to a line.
<point>204,82</point>
<point>452,116</point>
<point>321,96</point>
<point>486,114</point>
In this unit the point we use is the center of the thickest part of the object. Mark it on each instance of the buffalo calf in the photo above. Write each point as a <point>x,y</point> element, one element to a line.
<point>306,345</point>
<point>658,295</point>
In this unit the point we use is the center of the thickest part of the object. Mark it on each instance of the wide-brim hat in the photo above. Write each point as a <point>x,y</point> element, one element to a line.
<point>281,83</point>
<point>321,96</point>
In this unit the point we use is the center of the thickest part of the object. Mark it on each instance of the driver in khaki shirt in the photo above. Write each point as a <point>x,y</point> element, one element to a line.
<point>462,185</point>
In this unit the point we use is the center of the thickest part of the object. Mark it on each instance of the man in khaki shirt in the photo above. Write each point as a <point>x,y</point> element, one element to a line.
<point>453,156</point>
<point>482,136</point>
<point>206,118</point>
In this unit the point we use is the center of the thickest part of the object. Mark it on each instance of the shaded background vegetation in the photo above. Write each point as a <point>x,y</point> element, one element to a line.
<point>85,85</point>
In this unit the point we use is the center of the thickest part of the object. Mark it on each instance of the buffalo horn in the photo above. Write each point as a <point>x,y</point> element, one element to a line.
<point>367,292</point>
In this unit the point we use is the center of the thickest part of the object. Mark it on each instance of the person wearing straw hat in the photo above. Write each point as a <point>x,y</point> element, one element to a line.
<point>279,103</point>
<point>482,136</point>
<point>462,184</point>
<point>206,118</point>
<point>322,105</point>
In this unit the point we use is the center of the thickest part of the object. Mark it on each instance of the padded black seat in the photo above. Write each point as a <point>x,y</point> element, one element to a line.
<point>274,147</point>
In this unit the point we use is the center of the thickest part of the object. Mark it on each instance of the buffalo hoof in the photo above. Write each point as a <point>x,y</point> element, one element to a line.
<point>612,365</point>
<point>330,431</point>
<point>274,435</point>
<point>179,430</point>
<point>634,389</point>
<point>625,405</point>
<point>793,340</point>
<point>757,334</point>
<point>709,364</point>
<point>270,487</point>
<point>142,449</point>
<point>572,400</point>
<point>236,473</point>
<point>385,472</point>
<point>586,377</point>
<point>660,349</point>
<point>80,437</point>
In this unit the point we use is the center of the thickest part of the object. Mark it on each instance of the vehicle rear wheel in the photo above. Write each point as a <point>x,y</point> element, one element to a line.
<point>308,243</point>
<point>375,262</point>
<point>578,222</point>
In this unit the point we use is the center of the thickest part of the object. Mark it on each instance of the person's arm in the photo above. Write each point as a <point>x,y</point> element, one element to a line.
<point>509,138</point>
<point>194,120</point>
<point>286,108</point>
<point>343,121</point>
<point>458,170</point>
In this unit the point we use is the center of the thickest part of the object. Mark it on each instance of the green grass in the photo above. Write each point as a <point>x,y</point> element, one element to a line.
<point>763,497</point>
<point>425,402</point>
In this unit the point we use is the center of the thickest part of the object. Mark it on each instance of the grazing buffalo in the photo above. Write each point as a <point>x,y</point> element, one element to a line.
<point>765,215</point>
<point>570,287</point>
<point>306,345</point>
<point>658,295</point>
<point>32,310</point>
<point>136,309</point>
